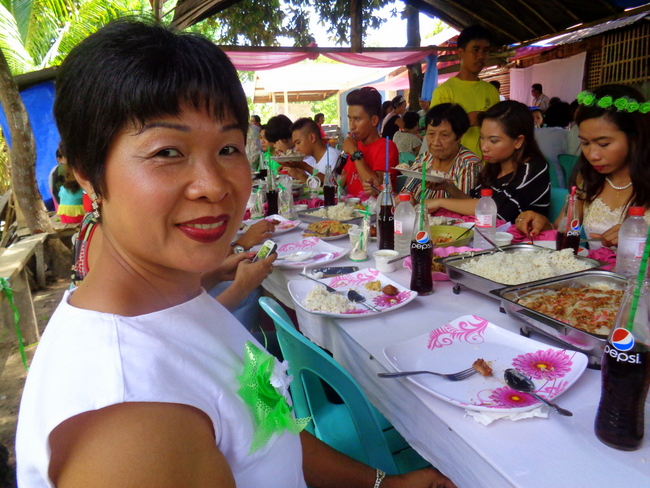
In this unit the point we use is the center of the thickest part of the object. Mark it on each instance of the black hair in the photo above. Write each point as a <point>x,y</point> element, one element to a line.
<point>411,119</point>
<point>452,113</point>
<point>278,128</point>
<point>308,125</point>
<point>256,118</point>
<point>473,33</point>
<point>129,72</point>
<point>636,127</point>
<point>385,106</point>
<point>516,120</point>
<point>496,84</point>
<point>538,87</point>
<point>318,115</point>
<point>397,101</point>
<point>558,115</point>
<point>366,97</point>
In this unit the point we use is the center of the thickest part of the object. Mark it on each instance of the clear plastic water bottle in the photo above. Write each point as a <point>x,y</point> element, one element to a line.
<point>404,223</point>
<point>631,240</point>
<point>486,219</point>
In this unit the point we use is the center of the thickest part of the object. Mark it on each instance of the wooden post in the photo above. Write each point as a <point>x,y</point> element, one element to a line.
<point>356,24</point>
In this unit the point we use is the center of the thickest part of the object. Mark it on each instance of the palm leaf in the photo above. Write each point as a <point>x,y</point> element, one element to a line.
<point>18,58</point>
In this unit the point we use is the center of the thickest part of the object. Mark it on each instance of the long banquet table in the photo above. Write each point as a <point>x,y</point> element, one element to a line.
<point>554,452</point>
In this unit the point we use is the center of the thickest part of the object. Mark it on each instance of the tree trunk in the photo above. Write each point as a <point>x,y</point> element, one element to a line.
<point>356,26</point>
<point>22,156</point>
<point>415,70</point>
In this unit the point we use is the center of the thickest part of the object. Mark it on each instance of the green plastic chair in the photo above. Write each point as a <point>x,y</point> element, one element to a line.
<point>558,197</point>
<point>567,162</point>
<point>353,427</point>
<point>406,158</point>
<point>555,182</point>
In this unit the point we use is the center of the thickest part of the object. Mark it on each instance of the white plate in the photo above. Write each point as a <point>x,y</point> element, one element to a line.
<point>282,159</point>
<point>455,346</point>
<point>418,175</point>
<point>322,252</point>
<point>285,225</point>
<point>300,288</point>
<point>328,238</point>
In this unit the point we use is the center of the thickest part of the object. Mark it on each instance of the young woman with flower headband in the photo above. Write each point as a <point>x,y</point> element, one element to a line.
<point>141,379</point>
<point>614,166</point>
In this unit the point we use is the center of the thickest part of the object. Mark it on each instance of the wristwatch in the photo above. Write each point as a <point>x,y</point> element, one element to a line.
<point>356,155</point>
<point>237,248</point>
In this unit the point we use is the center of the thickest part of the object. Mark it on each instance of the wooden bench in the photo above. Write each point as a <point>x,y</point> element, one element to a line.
<point>12,268</point>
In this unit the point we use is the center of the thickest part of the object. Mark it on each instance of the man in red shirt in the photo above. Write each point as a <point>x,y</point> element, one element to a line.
<point>366,164</point>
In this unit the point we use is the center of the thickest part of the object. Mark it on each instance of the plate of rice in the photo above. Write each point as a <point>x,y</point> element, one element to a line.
<point>307,252</point>
<point>380,291</point>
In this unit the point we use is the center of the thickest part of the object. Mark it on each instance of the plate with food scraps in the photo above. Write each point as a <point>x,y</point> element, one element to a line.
<point>307,252</point>
<point>327,230</point>
<point>289,158</point>
<point>381,292</point>
<point>458,344</point>
<point>282,224</point>
<point>437,177</point>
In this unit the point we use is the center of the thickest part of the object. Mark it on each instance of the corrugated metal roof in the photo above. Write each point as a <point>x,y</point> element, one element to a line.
<point>581,34</point>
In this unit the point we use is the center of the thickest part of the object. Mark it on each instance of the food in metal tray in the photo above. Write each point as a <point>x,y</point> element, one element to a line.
<point>589,308</point>
<point>326,228</point>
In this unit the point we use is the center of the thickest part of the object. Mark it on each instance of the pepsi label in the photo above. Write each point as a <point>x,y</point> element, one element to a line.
<point>422,237</point>
<point>622,339</point>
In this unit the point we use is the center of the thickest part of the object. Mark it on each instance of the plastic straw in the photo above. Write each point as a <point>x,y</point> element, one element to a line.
<point>387,141</point>
<point>639,283</point>
<point>423,187</point>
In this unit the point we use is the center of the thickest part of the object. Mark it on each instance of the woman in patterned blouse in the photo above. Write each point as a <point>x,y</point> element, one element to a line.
<point>446,123</point>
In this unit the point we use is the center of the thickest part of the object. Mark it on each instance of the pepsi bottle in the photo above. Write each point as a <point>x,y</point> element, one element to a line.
<point>385,218</point>
<point>568,229</point>
<point>421,256</point>
<point>625,374</point>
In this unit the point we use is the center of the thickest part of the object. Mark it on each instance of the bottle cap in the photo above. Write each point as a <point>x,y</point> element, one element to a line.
<point>636,211</point>
<point>486,192</point>
<point>404,197</point>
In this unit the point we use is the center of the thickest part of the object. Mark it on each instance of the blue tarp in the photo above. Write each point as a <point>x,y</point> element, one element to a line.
<point>38,101</point>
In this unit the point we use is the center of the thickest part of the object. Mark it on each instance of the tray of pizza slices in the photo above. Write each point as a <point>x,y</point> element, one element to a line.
<point>578,310</point>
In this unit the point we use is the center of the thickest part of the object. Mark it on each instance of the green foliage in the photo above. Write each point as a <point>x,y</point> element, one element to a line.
<point>329,108</point>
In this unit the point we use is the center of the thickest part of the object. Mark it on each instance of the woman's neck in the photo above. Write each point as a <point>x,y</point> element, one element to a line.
<point>507,167</point>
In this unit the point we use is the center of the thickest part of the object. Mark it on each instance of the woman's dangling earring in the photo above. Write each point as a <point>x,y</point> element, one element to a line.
<point>95,205</point>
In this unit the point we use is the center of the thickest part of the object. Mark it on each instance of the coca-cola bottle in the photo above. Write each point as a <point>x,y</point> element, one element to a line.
<point>568,229</point>
<point>329,185</point>
<point>385,218</point>
<point>626,373</point>
<point>421,255</point>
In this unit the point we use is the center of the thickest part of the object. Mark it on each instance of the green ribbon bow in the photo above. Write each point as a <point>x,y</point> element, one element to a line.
<point>9,293</point>
<point>262,377</point>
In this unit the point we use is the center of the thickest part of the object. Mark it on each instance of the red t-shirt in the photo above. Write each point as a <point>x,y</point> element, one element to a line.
<point>374,155</point>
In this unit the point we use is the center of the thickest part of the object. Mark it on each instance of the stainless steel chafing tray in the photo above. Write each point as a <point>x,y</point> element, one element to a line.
<point>308,217</point>
<point>573,338</point>
<point>483,285</point>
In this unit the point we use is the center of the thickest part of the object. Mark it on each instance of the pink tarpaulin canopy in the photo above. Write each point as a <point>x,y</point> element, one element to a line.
<point>258,61</point>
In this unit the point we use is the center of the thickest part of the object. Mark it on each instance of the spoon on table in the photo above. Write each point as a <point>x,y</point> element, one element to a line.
<point>355,296</point>
<point>520,382</point>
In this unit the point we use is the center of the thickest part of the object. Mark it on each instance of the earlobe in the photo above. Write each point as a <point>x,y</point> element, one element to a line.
<point>374,120</point>
<point>519,141</point>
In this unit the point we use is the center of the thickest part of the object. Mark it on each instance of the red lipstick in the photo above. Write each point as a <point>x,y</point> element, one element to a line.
<point>205,229</point>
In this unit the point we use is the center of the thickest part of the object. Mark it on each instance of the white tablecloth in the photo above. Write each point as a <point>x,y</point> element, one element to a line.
<point>555,452</point>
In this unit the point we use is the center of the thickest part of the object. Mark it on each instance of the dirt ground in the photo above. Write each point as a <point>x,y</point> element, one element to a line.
<point>13,374</point>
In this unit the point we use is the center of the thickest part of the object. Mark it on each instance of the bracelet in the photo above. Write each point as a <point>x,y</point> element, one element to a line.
<point>380,477</point>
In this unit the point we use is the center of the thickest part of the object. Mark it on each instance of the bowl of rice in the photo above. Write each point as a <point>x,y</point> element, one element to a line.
<point>449,235</point>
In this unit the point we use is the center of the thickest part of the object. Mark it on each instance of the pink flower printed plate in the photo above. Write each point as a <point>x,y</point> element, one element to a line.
<point>355,281</point>
<point>307,252</point>
<point>456,345</point>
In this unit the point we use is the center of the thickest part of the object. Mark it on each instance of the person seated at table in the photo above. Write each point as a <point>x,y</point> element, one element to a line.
<point>141,378</point>
<point>538,117</point>
<point>366,164</point>
<point>307,140</point>
<point>515,169</point>
<point>446,124</point>
<point>408,139</point>
<point>614,172</point>
<point>393,122</point>
<point>278,132</point>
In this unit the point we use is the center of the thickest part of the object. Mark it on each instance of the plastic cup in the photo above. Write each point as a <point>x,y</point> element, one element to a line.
<point>381,260</point>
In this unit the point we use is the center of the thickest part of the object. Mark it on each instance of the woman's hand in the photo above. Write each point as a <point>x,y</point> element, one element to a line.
<point>531,223</point>
<point>256,233</point>
<point>226,270</point>
<point>422,478</point>
<point>433,204</point>
<point>608,238</point>
<point>250,275</point>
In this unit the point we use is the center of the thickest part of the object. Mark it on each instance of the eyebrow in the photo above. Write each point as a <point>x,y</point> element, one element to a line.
<point>182,127</point>
<point>596,139</point>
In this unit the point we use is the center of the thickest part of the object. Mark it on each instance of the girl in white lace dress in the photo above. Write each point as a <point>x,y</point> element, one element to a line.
<point>614,125</point>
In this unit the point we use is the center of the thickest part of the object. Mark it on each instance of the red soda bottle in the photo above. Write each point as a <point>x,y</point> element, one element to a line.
<point>625,373</point>
<point>568,230</point>
<point>421,255</point>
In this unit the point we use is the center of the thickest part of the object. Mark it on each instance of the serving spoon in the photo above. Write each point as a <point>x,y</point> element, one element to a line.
<point>518,381</point>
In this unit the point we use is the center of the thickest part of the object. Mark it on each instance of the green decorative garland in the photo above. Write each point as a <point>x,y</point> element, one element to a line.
<point>622,104</point>
<point>9,293</point>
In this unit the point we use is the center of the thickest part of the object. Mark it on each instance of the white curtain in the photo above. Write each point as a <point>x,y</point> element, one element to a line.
<point>559,78</point>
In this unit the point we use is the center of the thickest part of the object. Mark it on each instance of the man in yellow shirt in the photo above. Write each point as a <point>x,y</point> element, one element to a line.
<point>466,89</point>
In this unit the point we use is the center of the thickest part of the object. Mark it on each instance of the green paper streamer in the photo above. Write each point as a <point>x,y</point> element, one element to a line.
<point>639,283</point>
<point>271,411</point>
<point>9,293</point>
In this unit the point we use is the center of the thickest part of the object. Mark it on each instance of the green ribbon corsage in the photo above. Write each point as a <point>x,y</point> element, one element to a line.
<point>264,384</point>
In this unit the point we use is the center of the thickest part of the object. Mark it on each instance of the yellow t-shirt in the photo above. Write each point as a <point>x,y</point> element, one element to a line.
<point>472,96</point>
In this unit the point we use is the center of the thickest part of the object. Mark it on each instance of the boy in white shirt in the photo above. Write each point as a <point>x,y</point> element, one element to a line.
<point>306,137</point>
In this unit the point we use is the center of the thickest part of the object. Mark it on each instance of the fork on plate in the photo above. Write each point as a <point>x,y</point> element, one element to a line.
<point>460,376</point>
